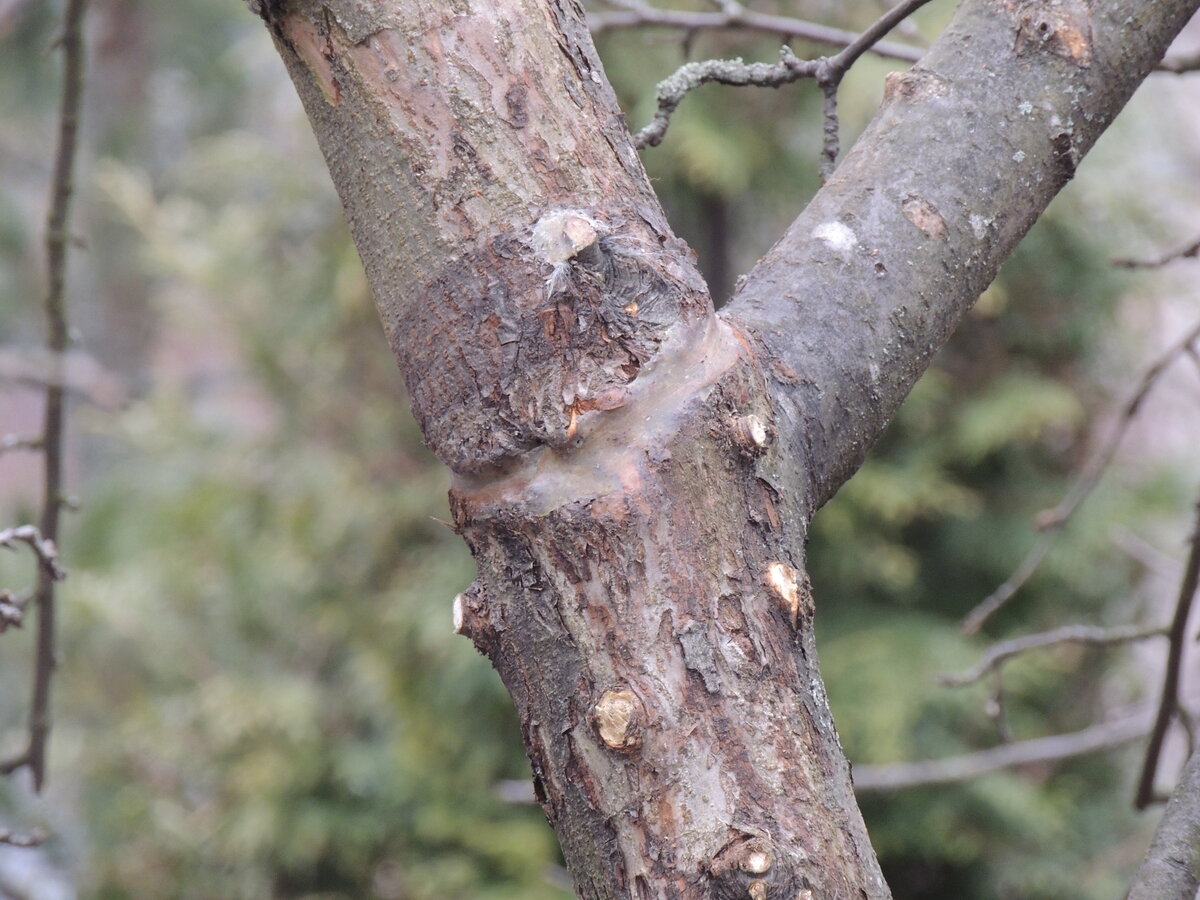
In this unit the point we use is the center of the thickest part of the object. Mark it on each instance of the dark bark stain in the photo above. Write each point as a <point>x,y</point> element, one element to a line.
<point>515,99</point>
<point>1063,28</point>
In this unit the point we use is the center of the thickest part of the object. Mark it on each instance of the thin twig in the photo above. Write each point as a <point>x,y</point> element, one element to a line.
<point>1051,522</point>
<point>1180,64</point>
<point>57,334</point>
<point>1189,251</point>
<point>12,611</point>
<point>897,776</point>
<point>11,443</point>
<point>35,838</point>
<point>998,654</point>
<point>1168,702</point>
<point>997,709</point>
<point>687,78</point>
<point>43,547</point>
<point>827,71</point>
<point>639,15</point>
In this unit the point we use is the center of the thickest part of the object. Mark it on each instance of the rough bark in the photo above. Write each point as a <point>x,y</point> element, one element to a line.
<point>1171,869</point>
<point>633,474</point>
<point>967,150</point>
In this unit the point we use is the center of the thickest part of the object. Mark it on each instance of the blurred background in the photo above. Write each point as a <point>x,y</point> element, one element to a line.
<point>259,693</point>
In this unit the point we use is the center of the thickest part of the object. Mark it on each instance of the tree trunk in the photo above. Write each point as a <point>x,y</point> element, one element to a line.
<point>635,475</point>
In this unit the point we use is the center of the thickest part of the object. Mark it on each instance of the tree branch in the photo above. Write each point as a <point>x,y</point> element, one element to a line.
<point>899,776</point>
<point>43,548</point>
<point>1000,653</point>
<point>13,443</point>
<point>892,252</point>
<point>640,15</point>
<point>1181,65</point>
<point>57,336</point>
<point>827,71</point>
<point>1052,521</point>
<point>1171,868</point>
<point>35,838</point>
<point>1188,251</point>
<point>1168,703</point>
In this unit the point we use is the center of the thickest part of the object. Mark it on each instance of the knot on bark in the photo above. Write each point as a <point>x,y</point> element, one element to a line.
<point>754,868</point>
<point>1064,28</point>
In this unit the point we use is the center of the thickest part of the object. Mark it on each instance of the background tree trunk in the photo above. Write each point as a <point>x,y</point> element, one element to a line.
<point>634,475</point>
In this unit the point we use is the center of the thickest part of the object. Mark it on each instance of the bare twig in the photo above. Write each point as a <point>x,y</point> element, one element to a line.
<point>638,15</point>
<point>1051,522</point>
<point>10,443</point>
<point>12,611</point>
<point>687,78</point>
<point>1168,703</point>
<point>827,71</point>
<point>43,548</point>
<point>997,709</point>
<point>1172,864</point>
<point>1181,64</point>
<point>1189,251</point>
<point>898,776</point>
<point>35,838</point>
<point>57,244</point>
<point>998,654</point>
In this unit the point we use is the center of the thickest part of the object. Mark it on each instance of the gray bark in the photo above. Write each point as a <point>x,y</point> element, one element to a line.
<point>634,474</point>
<point>1171,869</point>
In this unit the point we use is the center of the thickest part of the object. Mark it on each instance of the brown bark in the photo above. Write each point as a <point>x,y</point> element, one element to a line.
<point>633,474</point>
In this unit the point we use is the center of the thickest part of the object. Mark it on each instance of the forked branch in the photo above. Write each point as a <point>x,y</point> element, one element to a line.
<point>1168,704</point>
<point>826,71</point>
<point>636,14</point>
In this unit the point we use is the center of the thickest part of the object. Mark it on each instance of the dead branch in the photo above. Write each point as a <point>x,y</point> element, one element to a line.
<point>1180,65</point>
<point>898,776</point>
<point>10,443</point>
<point>1168,704</point>
<point>57,337</point>
<point>1000,653</point>
<point>826,71</point>
<point>734,16</point>
<point>1052,521</point>
<point>43,547</point>
<point>1189,251</point>
<point>35,838</point>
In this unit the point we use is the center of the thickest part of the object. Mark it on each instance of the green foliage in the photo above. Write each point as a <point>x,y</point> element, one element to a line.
<point>260,630</point>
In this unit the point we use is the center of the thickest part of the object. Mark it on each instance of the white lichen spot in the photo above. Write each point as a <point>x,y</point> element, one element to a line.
<point>459,614</point>
<point>1019,156</point>
<point>838,236</point>
<point>873,370</point>
<point>979,225</point>
<point>1025,107</point>
<point>781,578</point>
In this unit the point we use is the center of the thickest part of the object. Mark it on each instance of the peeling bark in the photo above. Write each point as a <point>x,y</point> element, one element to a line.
<point>633,474</point>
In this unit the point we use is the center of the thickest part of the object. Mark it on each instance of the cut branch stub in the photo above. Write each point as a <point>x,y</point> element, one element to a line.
<point>619,717</point>
<point>747,868</point>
